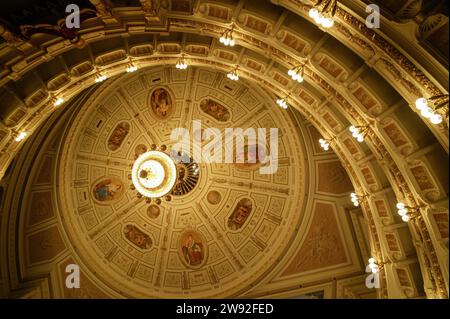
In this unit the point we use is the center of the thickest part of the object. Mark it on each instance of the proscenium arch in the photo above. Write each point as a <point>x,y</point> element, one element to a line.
<point>393,168</point>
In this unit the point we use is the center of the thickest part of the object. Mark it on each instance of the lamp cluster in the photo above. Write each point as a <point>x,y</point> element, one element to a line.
<point>324,144</point>
<point>21,136</point>
<point>356,199</point>
<point>181,63</point>
<point>282,103</point>
<point>57,101</point>
<point>358,132</point>
<point>373,265</point>
<point>100,78</point>
<point>405,212</point>
<point>422,104</point>
<point>297,73</point>
<point>227,38</point>
<point>323,12</point>
<point>232,75</point>
<point>131,68</point>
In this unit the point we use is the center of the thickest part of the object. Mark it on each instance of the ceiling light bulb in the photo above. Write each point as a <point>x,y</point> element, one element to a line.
<point>299,79</point>
<point>131,68</point>
<point>406,218</point>
<point>58,101</point>
<point>352,128</point>
<point>421,103</point>
<point>318,19</point>
<point>402,212</point>
<point>21,136</point>
<point>360,138</point>
<point>313,13</point>
<point>232,42</point>
<point>371,260</point>
<point>426,112</point>
<point>436,119</point>
<point>100,78</point>
<point>222,39</point>
<point>400,205</point>
<point>327,22</point>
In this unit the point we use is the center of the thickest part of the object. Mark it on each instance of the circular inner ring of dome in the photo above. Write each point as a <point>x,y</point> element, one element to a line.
<point>154,174</point>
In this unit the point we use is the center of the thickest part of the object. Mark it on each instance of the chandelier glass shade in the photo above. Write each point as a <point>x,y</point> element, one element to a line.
<point>154,174</point>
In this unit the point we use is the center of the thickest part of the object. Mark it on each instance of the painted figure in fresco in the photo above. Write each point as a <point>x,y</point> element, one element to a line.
<point>106,190</point>
<point>193,251</point>
<point>216,110</point>
<point>240,214</point>
<point>118,135</point>
<point>161,103</point>
<point>137,237</point>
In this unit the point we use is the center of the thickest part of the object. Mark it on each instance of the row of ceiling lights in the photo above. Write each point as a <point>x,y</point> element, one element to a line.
<point>323,14</point>
<point>405,212</point>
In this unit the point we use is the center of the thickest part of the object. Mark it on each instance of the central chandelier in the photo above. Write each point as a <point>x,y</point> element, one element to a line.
<point>323,12</point>
<point>159,174</point>
<point>154,174</point>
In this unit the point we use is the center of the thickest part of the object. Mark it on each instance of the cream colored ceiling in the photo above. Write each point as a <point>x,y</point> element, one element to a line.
<point>233,259</point>
<point>353,77</point>
<point>298,232</point>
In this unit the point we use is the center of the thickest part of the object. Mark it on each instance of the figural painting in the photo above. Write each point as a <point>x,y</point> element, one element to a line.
<point>161,103</point>
<point>107,190</point>
<point>192,249</point>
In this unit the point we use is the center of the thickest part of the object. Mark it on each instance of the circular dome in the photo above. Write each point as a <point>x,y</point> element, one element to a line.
<point>226,225</point>
<point>154,174</point>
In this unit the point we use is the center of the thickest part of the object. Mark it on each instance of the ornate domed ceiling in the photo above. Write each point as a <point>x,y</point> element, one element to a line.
<point>241,221</point>
<point>68,144</point>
